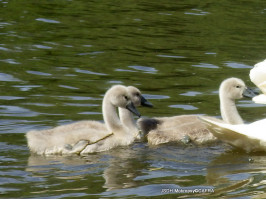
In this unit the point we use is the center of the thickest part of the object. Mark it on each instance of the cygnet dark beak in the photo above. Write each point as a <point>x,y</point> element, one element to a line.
<point>145,102</point>
<point>130,106</point>
<point>250,93</point>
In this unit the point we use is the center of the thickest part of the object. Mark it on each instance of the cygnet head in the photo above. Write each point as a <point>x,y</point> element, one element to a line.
<point>119,96</point>
<point>235,88</point>
<point>137,98</point>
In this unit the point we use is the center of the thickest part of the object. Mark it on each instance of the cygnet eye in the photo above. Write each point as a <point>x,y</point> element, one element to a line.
<point>137,94</point>
<point>126,98</point>
<point>238,86</point>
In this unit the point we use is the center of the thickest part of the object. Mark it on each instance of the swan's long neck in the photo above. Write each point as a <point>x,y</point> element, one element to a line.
<point>110,116</point>
<point>128,121</point>
<point>229,110</point>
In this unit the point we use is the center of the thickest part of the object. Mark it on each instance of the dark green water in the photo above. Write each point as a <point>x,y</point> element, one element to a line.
<point>57,58</point>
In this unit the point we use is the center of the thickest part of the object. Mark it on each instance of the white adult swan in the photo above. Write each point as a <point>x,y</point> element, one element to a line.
<point>185,128</point>
<point>250,137</point>
<point>53,141</point>
<point>258,77</point>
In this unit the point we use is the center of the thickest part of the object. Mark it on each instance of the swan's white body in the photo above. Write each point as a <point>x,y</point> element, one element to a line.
<point>258,77</point>
<point>92,136</point>
<point>250,137</point>
<point>169,129</point>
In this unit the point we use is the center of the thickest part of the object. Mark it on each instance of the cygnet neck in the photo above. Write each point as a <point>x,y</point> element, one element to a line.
<point>229,110</point>
<point>110,116</point>
<point>128,120</point>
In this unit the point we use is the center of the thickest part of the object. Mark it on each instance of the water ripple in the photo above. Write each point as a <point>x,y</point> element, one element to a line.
<point>48,20</point>
<point>90,113</point>
<point>17,111</point>
<point>237,65</point>
<point>4,49</point>
<point>79,98</point>
<point>90,53</point>
<point>184,107</point>
<point>206,65</point>
<point>18,126</point>
<point>89,72</point>
<point>39,73</point>
<point>11,61</point>
<point>39,46</point>
<point>39,104</point>
<point>11,98</point>
<point>26,87</point>
<point>81,105</point>
<point>197,12</point>
<point>7,77</point>
<point>2,24</point>
<point>191,93</point>
<point>68,87</point>
<point>144,68</point>
<point>9,180</point>
<point>150,96</point>
<point>4,158</point>
<point>124,70</point>
<point>169,56</point>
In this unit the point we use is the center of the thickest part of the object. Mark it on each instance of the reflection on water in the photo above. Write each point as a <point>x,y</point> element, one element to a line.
<point>59,57</point>
<point>226,174</point>
<point>236,170</point>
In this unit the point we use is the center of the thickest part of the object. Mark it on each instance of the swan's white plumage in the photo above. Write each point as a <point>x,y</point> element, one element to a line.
<point>261,99</point>
<point>258,72</point>
<point>250,137</point>
<point>258,77</point>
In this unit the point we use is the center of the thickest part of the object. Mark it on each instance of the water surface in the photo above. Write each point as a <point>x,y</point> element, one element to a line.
<point>58,58</point>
